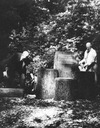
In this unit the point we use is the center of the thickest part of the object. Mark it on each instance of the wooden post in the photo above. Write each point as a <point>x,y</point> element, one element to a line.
<point>11,92</point>
<point>66,89</point>
<point>46,83</point>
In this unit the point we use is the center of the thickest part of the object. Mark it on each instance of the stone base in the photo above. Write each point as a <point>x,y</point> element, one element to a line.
<point>46,84</point>
<point>66,89</point>
<point>11,92</point>
<point>87,87</point>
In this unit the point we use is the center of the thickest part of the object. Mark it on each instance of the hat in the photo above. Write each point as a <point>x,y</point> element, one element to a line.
<point>24,55</point>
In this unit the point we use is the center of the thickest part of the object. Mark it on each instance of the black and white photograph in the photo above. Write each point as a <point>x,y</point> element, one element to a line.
<point>49,63</point>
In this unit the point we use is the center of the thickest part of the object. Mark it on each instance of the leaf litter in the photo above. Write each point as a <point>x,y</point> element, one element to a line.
<point>34,113</point>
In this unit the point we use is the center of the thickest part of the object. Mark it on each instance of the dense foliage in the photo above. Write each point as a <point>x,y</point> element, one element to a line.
<point>71,24</point>
<point>44,26</point>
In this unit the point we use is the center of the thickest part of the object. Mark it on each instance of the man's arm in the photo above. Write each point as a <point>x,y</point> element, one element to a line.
<point>83,60</point>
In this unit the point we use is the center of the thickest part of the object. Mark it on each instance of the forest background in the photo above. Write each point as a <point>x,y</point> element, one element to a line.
<point>43,25</point>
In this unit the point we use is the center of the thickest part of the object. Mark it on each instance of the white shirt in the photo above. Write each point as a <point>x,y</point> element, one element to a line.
<point>90,57</point>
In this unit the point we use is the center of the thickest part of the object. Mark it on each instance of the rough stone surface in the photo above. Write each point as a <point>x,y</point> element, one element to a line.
<point>98,68</point>
<point>66,89</point>
<point>11,92</point>
<point>46,83</point>
<point>66,64</point>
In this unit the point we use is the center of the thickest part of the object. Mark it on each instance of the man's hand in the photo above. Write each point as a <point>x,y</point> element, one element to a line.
<point>80,63</point>
<point>86,65</point>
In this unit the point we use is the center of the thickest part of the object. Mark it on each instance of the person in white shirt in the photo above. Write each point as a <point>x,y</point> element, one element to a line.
<point>89,60</point>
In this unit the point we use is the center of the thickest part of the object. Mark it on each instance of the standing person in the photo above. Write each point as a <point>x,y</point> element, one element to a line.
<point>25,60</point>
<point>89,61</point>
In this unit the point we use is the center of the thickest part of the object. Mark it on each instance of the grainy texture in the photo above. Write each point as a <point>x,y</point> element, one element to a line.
<point>32,113</point>
<point>66,89</point>
<point>11,92</point>
<point>87,87</point>
<point>66,64</point>
<point>46,83</point>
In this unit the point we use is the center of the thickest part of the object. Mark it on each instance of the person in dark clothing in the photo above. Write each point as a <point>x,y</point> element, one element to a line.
<point>14,66</point>
<point>10,66</point>
<point>16,69</point>
<point>25,61</point>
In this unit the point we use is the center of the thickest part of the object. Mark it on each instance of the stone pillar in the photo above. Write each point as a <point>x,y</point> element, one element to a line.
<point>66,89</point>
<point>66,64</point>
<point>98,69</point>
<point>46,83</point>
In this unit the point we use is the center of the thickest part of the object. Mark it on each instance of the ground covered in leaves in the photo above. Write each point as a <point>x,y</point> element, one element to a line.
<point>32,113</point>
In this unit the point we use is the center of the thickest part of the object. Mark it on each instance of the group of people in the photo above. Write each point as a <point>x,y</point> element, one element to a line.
<point>19,61</point>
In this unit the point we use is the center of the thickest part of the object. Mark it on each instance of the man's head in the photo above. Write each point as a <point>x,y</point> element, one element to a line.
<point>88,46</point>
